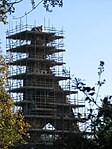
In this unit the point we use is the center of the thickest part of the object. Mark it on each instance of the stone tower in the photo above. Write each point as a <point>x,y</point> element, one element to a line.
<point>40,84</point>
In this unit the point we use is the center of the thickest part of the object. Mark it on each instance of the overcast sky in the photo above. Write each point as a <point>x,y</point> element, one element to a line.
<point>88,35</point>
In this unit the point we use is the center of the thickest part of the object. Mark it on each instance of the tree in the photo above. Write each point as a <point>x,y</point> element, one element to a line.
<point>100,115</point>
<point>12,124</point>
<point>103,124</point>
<point>8,6</point>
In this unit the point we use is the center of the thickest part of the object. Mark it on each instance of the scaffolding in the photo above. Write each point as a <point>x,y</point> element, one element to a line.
<point>40,84</point>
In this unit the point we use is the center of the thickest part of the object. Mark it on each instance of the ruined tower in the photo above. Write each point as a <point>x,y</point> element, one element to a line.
<point>40,84</point>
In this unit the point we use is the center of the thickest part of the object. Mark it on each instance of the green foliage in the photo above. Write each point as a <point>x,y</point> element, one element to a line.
<point>8,6</point>
<point>53,3</point>
<point>12,124</point>
<point>100,115</point>
<point>103,124</point>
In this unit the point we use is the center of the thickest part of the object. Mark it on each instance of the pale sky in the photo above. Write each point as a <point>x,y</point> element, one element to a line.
<point>88,35</point>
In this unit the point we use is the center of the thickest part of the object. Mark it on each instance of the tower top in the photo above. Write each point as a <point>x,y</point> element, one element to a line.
<point>38,29</point>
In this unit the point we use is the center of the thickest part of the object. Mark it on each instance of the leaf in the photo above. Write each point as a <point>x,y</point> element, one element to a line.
<point>12,124</point>
<point>92,93</point>
<point>87,98</point>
